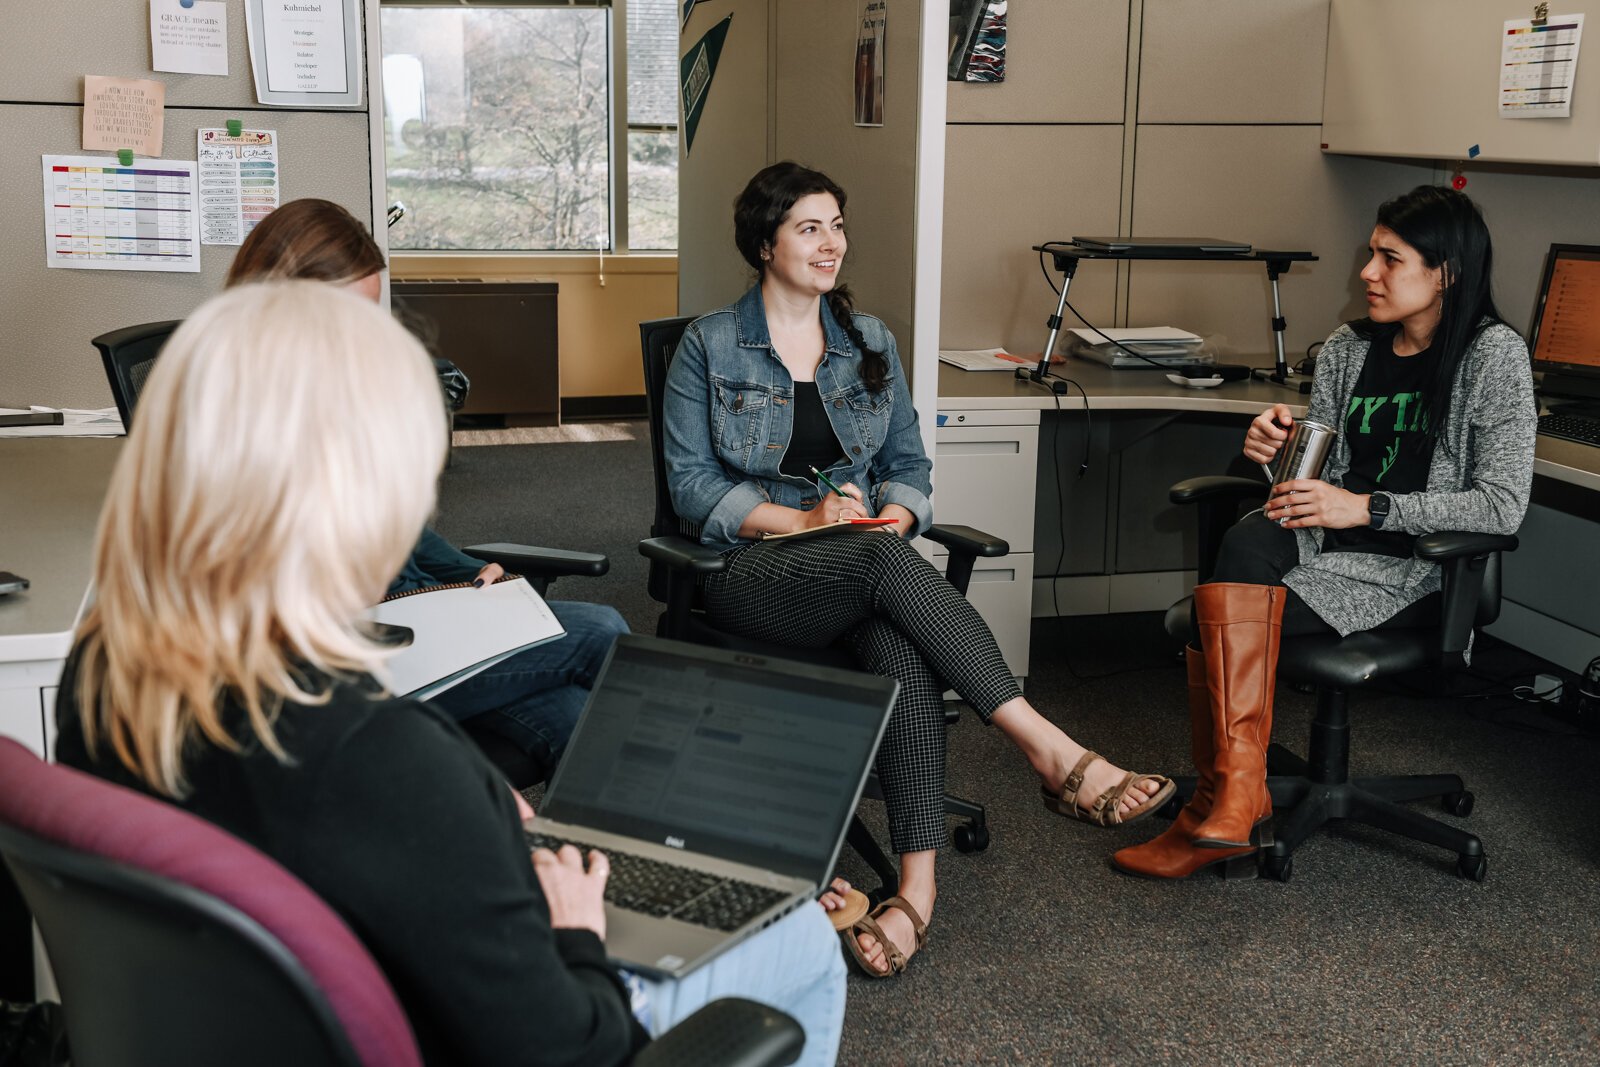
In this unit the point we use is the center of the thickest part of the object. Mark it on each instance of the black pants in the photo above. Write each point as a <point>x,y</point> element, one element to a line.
<point>902,620</point>
<point>1257,551</point>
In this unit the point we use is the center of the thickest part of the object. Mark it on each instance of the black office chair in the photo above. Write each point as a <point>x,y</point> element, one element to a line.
<point>130,353</point>
<point>678,563</point>
<point>1306,793</point>
<point>174,942</point>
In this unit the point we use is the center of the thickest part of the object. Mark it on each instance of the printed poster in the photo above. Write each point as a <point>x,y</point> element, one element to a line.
<point>238,183</point>
<point>1538,66</point>
<point>977,41</point>
<point>123,113</point>
<point>99,215</point>
<point>869,63</point>
<point>189,36</point>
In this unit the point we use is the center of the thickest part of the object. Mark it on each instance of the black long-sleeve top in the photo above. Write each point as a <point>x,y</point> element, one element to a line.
<point>391,816</point>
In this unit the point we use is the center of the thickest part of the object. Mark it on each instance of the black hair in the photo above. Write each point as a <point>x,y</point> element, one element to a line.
<point>758,212</point>
<point>1447,230</point>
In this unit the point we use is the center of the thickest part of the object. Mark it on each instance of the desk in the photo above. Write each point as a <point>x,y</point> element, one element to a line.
<point>51,490</point>
<point>1122,547</point>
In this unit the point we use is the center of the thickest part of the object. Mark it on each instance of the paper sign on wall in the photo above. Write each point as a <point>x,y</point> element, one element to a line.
<point>1538,66</point>
<point>189,36</point>
<point>305,51</point>
<point>238,183</point>
<point>123,113</point>
<point>99,215</point>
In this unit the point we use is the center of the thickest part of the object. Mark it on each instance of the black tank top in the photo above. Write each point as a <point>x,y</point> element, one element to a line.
<point>813,443</point>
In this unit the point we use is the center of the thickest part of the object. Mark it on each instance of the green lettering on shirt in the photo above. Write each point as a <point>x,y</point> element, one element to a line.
<point>1390,454</point>
<point>1370,406</point>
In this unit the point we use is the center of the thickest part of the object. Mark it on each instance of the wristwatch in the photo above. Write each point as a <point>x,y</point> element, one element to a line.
<point>1378,509</point>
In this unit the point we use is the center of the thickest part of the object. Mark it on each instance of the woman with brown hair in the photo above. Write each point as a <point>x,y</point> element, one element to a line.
<point>533,699</point>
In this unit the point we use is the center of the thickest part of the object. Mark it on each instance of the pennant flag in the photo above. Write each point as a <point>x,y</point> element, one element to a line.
<point>695,71</point>
<point>688,6</point>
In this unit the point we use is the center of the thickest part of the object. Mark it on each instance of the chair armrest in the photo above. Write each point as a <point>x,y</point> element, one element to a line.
<point>541,562</point>
<point>682,554</point>
<point>1465,559</point>
<point>731,1032</point>
<point>1446,545</point>
<point>1220,487</point>
<point>966,539</point>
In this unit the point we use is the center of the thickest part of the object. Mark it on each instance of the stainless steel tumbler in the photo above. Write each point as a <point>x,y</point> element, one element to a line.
<point>1304,453</point>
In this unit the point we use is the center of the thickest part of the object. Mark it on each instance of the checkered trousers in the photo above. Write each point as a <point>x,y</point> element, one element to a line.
<point>874,591</point>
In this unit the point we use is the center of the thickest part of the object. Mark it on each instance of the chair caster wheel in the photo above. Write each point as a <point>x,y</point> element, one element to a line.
<point>1457,803</point>
<point>1276,867</point>
<point>1473,868</point>
<point>971,837</point>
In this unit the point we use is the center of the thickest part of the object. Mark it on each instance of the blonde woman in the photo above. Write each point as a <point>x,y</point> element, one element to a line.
<point>222,668</point>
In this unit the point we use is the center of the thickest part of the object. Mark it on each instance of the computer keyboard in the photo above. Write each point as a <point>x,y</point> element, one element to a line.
<point>666,890</point>
<point>1581,428</point>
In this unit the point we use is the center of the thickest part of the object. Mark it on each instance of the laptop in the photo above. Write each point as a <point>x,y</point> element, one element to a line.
<point>719,784</point>
<point>1158,245</point>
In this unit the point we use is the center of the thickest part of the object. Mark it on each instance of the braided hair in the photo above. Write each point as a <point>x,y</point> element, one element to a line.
<point>758,212</point>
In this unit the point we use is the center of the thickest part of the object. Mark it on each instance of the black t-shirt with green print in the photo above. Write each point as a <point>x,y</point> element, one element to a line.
<point>1390,450</point>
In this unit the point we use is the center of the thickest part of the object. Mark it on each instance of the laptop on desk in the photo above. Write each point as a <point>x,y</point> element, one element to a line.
<point>1152,246</point>
<point>719,785</point>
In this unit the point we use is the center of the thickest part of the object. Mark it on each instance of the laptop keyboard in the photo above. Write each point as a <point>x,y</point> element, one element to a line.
<point>666,890</point>
<point>1581,428</point>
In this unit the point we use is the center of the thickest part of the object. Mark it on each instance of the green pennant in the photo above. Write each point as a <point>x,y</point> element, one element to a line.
<point>695,71</point>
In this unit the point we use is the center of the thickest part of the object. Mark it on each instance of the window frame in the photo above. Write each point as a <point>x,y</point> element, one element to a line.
<point>617,165</point>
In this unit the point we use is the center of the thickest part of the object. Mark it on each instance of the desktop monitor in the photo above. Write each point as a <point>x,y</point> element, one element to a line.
<point>1566,323</point>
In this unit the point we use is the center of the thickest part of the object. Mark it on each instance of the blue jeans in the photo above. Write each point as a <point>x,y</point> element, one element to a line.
<point>533,699</point>
<point>794,965</point>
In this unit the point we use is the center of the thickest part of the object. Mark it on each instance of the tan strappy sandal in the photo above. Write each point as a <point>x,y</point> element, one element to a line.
<point>868,924</point>
<point>1104,811</point>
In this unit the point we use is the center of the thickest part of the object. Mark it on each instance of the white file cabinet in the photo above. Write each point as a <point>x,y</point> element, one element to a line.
<point>985,464</point>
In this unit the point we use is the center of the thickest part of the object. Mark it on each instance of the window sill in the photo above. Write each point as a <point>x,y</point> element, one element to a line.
<point>521,265</point>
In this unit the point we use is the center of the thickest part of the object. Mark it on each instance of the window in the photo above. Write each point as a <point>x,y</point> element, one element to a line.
<point>499,131</point>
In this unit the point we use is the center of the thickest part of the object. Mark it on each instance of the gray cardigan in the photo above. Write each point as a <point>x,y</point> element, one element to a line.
<point>1478,482</point>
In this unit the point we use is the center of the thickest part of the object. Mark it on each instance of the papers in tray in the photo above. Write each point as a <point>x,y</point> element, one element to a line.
<point>1162,344</point>
<point>984,359</point>
<point>458,631</point>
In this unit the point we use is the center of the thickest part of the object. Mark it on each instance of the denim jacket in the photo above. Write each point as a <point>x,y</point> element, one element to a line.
<point>729,416</point>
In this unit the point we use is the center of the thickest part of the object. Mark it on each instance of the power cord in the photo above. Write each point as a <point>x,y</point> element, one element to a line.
<point>1055,460</point>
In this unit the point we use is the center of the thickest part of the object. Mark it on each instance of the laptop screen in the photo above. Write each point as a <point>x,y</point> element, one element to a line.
<point>740,757</point>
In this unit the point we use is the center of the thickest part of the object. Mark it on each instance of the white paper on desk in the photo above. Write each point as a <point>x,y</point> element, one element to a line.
<point>239,183</point>
<point>189,40</point>
<point>1538,67</point>
<point>459,632</point>
<point>1169,335</point>
<point>99,215</point>
<point>75,422</point>
<point>983,359</point>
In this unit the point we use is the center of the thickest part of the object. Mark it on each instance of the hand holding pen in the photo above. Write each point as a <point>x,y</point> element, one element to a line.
<point>843,502</point>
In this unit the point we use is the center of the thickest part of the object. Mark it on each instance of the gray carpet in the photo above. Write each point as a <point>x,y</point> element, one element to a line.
<point>1374,952</point>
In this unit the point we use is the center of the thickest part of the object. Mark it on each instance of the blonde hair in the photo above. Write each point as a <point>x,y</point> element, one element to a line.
<point>281,469</point>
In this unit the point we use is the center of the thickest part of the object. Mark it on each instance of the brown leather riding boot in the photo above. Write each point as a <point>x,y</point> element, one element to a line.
<point>1172,853</point>
<point>1239,629</point>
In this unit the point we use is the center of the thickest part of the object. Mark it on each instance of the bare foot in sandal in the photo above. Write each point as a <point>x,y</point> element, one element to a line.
<point>1101,775</point>
<point>1054,756</point>
<point>898,928</point>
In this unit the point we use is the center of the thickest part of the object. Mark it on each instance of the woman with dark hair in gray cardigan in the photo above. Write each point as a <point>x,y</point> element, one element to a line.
<point>1433,397</point>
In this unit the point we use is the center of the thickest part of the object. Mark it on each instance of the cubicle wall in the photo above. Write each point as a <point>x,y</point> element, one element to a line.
<point>49,315</point>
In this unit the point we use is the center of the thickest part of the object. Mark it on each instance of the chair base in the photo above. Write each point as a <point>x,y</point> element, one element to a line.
<point>1308,793</point>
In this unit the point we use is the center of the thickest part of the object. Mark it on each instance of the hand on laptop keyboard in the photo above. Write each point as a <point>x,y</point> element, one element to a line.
<point>576,896</point>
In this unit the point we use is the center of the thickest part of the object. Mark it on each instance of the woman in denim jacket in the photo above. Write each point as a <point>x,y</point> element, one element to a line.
<point>759,395</point>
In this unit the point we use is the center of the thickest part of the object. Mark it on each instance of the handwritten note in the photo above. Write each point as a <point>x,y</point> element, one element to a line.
<point>189,36</point>
<point>123,113</point>
<point>238,183</point>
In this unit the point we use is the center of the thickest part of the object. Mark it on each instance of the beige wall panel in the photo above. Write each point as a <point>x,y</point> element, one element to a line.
<point>1421,79</point>
<point>730,145</point>
<point>77,37</point>
<point>51,314</point>
<point>1232,60</point>
<point>1526,213</point>
<point>1271,186</point>
<point>814,122</point>
<point>1008,188</point>
<point>1066,61</point>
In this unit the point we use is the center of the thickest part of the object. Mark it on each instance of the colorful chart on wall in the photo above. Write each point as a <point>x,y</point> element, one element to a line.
<point>695,71</point>
<point>102,216</point>
<point>977,41</point>
<point>238,182</point>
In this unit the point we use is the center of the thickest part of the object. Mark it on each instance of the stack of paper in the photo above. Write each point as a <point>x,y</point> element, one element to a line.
<point>1164,344</point>
<point>75,422</point>
<point>983,359</point>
